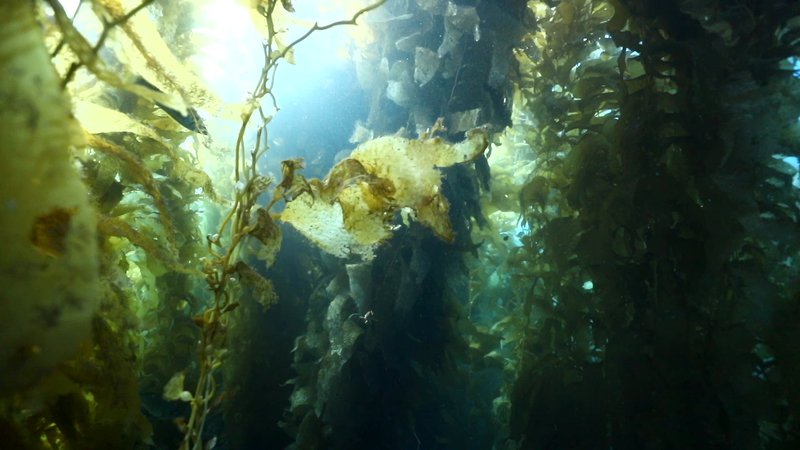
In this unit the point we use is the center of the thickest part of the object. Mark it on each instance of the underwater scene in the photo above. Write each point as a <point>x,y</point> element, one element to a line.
<point>399,224</point>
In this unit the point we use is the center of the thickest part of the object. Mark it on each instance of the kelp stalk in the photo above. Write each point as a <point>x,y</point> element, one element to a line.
<point>49,263</point>
<point>225,263</point>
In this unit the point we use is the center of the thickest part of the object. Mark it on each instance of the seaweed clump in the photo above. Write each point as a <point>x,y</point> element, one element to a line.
<point>655,308</point>
<point>353,209</point>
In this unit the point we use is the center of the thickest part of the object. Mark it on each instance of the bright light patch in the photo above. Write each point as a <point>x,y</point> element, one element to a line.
<point>230,56</point>
<point>70,6</point>
<point>229,50</point>
<point>588,285</point>
<point>84,19</point>
<point>794,162</point>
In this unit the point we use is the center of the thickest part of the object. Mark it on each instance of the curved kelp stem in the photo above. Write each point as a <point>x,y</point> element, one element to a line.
<point>242,221</point>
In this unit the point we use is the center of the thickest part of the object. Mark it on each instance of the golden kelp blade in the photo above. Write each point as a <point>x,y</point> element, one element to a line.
<point>147,54</point>
<point>361,195</point>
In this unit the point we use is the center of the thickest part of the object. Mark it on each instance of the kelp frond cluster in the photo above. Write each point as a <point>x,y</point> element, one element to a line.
<point>635,284</point>
<point>353,210</point>
<point>652,270</point>
<point>141,147</point>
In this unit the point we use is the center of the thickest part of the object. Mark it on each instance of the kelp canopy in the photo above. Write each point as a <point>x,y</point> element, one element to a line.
<point>563,224</point>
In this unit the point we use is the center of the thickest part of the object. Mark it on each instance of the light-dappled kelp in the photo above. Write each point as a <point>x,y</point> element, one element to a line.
<point>72,380</point>
<point>142,153</point>
<point>49,266</point>
<point>143,190</point>
<point>660,266</point>
<point>353,210</point>
<point>245,222</point>
<point>649,284</point>
<point>146,191</point>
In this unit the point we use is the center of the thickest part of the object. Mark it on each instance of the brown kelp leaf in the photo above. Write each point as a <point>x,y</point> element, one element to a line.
<point>141,175</point>
<point>534,192</point>
<point>381,177</point>
<point>110,226</point>
<point>343,175</point>
<point>195,177</point>
<point>260,288</point>
<point>292,184</point>
<point>265,229</point>
<point>49,231</point>
<point>268,234</point>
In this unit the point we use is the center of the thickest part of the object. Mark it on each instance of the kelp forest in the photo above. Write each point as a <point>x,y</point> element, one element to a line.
<point>486,224</point>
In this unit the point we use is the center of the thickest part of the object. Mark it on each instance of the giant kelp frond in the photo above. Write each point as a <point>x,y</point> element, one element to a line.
<point>351,212</point>
<point>138,173</point>
<point>243,221</point>
<point>145,190</point>
<point>648,207</point>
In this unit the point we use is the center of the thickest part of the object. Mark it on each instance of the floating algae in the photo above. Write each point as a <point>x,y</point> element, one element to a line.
<point>353,210</point>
